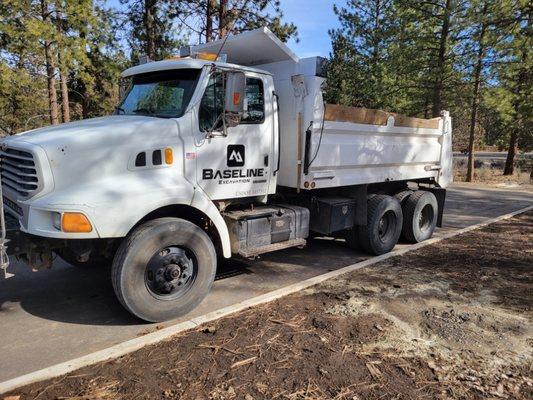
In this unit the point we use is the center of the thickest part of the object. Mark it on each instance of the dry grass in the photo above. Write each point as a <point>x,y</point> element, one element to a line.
<point>492,175</point>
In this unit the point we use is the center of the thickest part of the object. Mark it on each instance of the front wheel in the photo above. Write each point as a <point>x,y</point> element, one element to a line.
<point>164,269</point>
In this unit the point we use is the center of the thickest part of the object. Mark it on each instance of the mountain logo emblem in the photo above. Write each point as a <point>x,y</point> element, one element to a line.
<point>235,155</point>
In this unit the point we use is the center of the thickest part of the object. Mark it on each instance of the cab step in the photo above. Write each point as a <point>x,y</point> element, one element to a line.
<point>255,251</point>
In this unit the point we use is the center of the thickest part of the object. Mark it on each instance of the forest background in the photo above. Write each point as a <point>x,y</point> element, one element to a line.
<point>60,60</point>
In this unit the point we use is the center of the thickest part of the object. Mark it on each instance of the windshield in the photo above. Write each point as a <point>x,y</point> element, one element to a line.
<point>164,94</point>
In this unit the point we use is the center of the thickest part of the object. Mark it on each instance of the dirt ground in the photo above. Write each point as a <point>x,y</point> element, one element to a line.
<point>451,320</point>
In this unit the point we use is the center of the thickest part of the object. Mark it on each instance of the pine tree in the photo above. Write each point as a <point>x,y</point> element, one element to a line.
<point>95,84</point>
<point>151,28</point>
<point>361,59</point>
<point>23,88</point>
<point>215,19</point>
<point>483,39</point>
<point>395,54</point>
<point>30,36</point>
<point>62,67</point>
<point>516,78</point>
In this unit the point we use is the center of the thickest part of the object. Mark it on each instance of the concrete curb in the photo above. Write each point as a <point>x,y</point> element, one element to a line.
<point>166,333</point>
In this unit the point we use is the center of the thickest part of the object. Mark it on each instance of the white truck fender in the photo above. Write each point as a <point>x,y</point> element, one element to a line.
<point>201,202</point>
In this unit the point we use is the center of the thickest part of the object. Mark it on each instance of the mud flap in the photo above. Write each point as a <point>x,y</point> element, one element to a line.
<point>440,194</point>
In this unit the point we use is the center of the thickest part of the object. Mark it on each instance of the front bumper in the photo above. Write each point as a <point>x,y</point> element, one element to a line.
<point>34,250</point>
<point>37,219</point>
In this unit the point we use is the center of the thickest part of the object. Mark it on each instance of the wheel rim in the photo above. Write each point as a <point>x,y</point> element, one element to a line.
<point>425,219</point>
<point>170,273</point>
<point>386,225</point>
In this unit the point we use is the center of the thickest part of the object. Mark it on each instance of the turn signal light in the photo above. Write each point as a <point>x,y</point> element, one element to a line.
<point>75,223</point>
<point>169,157</point>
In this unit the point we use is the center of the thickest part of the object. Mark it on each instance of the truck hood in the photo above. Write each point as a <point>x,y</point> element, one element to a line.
<point>111,130</point>
<point>92,150</point>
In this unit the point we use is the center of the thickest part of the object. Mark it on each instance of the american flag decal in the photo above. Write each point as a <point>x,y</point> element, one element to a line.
<point>190,156</point>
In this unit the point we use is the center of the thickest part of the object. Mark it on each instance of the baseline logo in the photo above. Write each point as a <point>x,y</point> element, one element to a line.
<point>235,158</point>
<point>235,155</point>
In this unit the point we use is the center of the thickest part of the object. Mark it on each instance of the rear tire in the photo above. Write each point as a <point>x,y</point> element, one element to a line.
<point>420,213</point>
<point>384,225</point>
<point>403,196</point>
<point>164,269</point>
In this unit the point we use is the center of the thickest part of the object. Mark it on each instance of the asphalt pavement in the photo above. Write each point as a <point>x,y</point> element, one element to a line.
<point>48,317</point>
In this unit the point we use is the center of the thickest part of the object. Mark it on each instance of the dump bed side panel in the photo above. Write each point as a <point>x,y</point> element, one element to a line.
<point>351,154</point>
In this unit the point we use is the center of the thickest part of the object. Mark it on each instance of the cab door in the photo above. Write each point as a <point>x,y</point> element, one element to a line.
<point>239,164</point>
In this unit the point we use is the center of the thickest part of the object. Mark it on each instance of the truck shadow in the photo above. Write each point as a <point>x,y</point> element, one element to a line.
<point>80,296</point>
<point>65,294</point>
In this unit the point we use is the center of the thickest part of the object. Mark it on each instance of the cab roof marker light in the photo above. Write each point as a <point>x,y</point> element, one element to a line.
<point>185,51</point>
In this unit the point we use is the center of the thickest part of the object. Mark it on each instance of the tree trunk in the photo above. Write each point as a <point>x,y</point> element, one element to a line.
<point>509,162</point>
<point>441,61</point>
<point>211,7</point>
<point>65,108</point>
<point>518,125</point>
<point>149,26</point>
<point>50,70</point>
<point>475,99</point>
<point>222,20</point>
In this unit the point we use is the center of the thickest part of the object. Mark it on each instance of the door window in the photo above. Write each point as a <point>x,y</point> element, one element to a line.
<point>212,104</point>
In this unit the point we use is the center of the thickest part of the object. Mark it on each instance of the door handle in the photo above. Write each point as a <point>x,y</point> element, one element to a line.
<point>266,160</point>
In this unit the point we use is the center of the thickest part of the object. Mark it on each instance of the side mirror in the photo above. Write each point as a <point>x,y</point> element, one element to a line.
<point>234,98</point>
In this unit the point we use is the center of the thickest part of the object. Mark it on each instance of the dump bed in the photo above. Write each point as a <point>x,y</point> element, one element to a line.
<point>330,146</point>
<point>359,146</point>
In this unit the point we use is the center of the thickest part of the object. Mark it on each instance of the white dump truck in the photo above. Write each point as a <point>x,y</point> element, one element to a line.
<point>226,151</point>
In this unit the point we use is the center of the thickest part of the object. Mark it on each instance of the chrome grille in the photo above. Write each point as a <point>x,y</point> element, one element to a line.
<point>18,171</point>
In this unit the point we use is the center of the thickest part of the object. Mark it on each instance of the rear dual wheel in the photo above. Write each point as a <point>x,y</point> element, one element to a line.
<point>420,211</point>
<point>411,214</point>
<point>383,227</point>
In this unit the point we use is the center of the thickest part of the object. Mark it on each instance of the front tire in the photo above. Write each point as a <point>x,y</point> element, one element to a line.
<point>164,269</point>
<point>384,225</point>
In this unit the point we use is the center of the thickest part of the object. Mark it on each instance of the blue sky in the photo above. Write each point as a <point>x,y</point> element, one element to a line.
<point>313,19</point>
